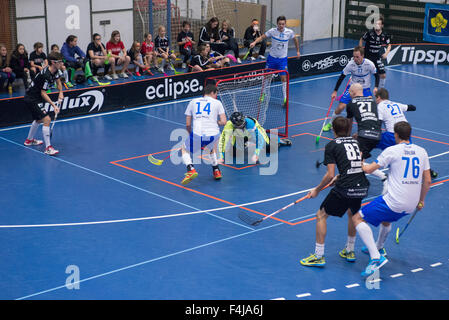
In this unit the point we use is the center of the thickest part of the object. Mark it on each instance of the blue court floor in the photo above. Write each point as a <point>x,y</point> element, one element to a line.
<point>99,210</point>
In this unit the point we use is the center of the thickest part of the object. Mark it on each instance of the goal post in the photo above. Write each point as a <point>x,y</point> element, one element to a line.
<point>259,94</point>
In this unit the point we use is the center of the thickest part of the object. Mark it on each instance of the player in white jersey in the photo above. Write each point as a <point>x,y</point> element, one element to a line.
<point>277,59</point>
<point>408,184</point>
<point>361,70</point>
<point>204,132</point>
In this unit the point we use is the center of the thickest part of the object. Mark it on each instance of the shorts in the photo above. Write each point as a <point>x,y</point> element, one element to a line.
<point>195,143</point>
<point>366,145</point>
<point>37,112</point>
<point>346,97</point>
<point>336,205</point>
<point>380,67</point>
<point>377,211</point>
<point>387,140</point>
<point>277,63</point>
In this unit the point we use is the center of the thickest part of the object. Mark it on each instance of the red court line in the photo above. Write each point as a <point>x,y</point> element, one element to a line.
<point>430,140</point>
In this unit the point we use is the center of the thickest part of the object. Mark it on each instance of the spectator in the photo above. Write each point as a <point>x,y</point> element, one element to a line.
<point>162,48</point>
<point>55,48</point>
<point>227,35</point>
<point>38,59</point>
<point>98,57</point>
<point>209,35</point>
<point>186,43</point>
<point>251,34</point>
<point>6,73</point>
<point>20,64</point>
<point>69,50</point>
<point>136,58</point>
<point>147,50</point>
<point>218,60</point>
<point>202,61</point>
<point>115,47</point>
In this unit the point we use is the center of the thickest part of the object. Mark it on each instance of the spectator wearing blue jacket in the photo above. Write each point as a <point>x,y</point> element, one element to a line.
<point>73,56</point>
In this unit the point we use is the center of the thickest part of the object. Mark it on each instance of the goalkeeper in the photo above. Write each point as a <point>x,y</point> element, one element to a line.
<point>248,129</point>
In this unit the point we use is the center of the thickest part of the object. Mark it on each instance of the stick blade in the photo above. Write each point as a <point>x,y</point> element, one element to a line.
<point>155,161</point>
<point>317,140</point>
<point>253,221</point>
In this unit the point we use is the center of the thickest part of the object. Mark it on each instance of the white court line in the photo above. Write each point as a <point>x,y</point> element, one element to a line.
<point>436,264</point>
<point>303,295</point>
<point>417,270</point>
<point>328,290</point>
<point>397,275</point>
<point>418,74</point>
<point>349,286</point>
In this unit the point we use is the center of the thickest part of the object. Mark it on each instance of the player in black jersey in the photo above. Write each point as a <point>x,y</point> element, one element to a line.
<point>369,127</point>
<point>35,98</point>
<point>351,186</point>
<point>374,40</point>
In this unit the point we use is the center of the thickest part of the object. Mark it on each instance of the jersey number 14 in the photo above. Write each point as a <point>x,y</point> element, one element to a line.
<point>206,108</point>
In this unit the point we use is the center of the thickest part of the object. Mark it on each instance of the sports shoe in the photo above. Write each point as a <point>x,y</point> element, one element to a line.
<point>327,127</point>
<point>313,261</point>
<point>217,174</point>
<point>252,59</point>
<point>51,151</point>
<point>33,142</point>
<point>69,84</point>
<point>189,176</point>
<point>261,57</point>
<point>239,61</point>
<point>108,77</point>
<point>114,76</point>
<point>138,74</point>
<point>349,256</point>
<point>123,75</point>
<point>161,70</point>
<point>373,265</point>
<point>382,251</point>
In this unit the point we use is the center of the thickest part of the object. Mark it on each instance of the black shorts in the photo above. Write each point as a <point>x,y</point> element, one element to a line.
<point>37,112</point>
<point>366,145</point>
<point>336,205</point>
<point>380,67</point>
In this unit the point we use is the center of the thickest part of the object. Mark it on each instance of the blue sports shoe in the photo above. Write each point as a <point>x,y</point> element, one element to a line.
<point>373,265</point>
<point>382,251</point>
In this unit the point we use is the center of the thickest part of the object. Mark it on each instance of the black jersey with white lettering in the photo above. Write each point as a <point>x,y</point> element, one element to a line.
<point>364,110</point>
<point>345,153</point>
<point>161,43</point>
<point>44,80</point>
<point>201,61</point>
<point>374,42</point>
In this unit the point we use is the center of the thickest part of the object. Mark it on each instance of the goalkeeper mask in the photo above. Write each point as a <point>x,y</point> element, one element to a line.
<point>238,120</point>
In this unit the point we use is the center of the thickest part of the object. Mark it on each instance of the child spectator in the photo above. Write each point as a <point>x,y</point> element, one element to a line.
<point>219,61</point>
<point>116,49</point>
<point>162,48</point>
<point>251,34</point>
<point>209,35</point>
<point>69,50</point>
<point>136,58</point>
<point>6,73</point>
<point>186,42</point>
<point>38,59</point>
<point>201,61</point>
<point>21,65</point>
<point>55,48</point>
<point>147,50</point>
<point>227,35</point>
<point>98,57</point>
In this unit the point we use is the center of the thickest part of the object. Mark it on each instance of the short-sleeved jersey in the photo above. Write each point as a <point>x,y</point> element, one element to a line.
<point>161,43</point>
<point>364,111</point>
<point>201,61</point>
<point>205,112</point>
<point>147,47</point>
<point>279,41</point>
<point>345,153</point>
<point>391,113</point>
<point>97,50</point>
<point>182,36</point>
<point>374,42</point>
<point>360,73</point>
<point>38,59</point>
<point>44,80</point>
<point>115,48</point>
<point>407,163</point>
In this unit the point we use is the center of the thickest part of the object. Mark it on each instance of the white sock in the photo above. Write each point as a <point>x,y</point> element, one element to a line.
<point>213,159</point>
<point>319,250</point>
<point>334,115</point>
<point>284,90</point>
<point>366,234</point>
<point>66,76</point>
<point>33,129</point>
<point>186,159</point>
<point>382,82</point>
<point>46,134</point>
<point>379,174</point>
<point>383,234</point>
<point>350,244</point>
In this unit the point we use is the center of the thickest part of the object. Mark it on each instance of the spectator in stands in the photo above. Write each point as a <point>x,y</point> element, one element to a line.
<point>73,56</point>
<point>209,35</point>
<point>251,34</point>
<point>55,48</point>
<point>186,43</point>
<point>98,57</point>
<point>147,50</point>
<point>20,64</point>
<point>218,60</point>
<point>227,36</point>
<point>136,58</point>
<point>162,48</point>
<point>38,59</point>
<point>6,73</point>
<point>116,49</point>
<point>202,61</point>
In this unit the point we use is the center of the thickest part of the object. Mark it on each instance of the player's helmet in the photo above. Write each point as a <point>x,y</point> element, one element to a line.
<point>237,119</point>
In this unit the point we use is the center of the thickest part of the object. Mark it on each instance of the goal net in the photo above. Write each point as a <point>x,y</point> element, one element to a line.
<point>257,94</point>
